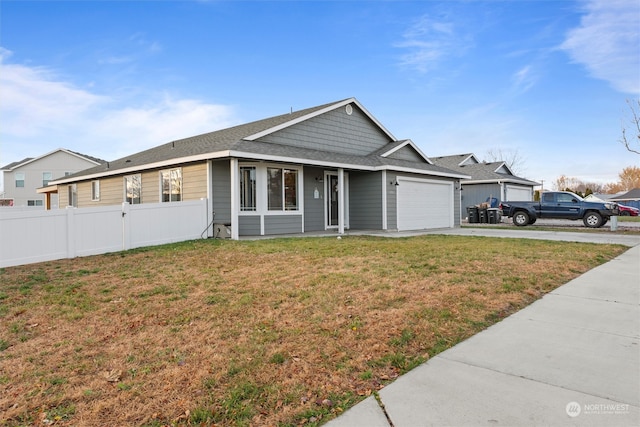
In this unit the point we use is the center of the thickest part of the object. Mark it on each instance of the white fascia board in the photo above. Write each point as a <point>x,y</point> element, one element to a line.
<point>404,144</point>
<point>423,172</point>
<point>501,180</point>
<point>315,114</point>
<point>470,156</point>
<point>503,164</point>
<point>133,169</point>
<point>294,160</point>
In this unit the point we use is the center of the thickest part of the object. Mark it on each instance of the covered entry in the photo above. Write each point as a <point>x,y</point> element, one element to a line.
<point>424,204</point>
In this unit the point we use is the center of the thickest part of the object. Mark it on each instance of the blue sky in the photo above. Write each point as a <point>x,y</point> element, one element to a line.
<point>545,79</point>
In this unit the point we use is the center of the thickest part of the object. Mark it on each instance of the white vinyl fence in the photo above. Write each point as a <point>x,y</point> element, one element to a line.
<point>35,236</point>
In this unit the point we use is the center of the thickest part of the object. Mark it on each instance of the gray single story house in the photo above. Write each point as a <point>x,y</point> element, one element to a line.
<point>487,181</point>
<point>333,166</point>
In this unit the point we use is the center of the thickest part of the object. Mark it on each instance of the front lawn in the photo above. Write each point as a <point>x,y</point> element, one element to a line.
<point>268,332</point>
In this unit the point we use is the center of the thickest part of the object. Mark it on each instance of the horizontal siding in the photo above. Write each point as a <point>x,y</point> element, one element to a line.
<point>334,131</point>
<point>407,153</point>
<point>150,187</point>
<point>194,181</point>
<point>221,176</point>
<point>392,197</point>
<point>365,201</point>
<point>313,208</point>
<point>111,191</point>
<point>248,225</point>
<point>282,224</point>
<point>194,187</point>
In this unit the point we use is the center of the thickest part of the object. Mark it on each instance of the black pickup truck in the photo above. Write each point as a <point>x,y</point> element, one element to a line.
<point>560,205</point>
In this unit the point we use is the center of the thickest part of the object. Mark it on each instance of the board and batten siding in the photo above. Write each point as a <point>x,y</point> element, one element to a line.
<point>365,200</point>
<point>335,131</point>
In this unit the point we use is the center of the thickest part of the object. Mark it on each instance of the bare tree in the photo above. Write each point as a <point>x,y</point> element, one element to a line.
<point>631,136</point>
<point>511,158</point>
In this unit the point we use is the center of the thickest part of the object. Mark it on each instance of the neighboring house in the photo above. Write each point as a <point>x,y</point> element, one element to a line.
<point>630,198</point>
<point>21,179</point>
<point>333,166</point>
<point>488,181</point>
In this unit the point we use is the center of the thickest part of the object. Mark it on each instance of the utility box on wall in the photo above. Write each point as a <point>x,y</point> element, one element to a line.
<point>222,231</point>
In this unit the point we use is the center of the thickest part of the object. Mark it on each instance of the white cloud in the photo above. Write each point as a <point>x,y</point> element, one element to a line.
<point>606,43</point>
<point>40,112</point>
<point>523,79</point>
<point>428,42</point>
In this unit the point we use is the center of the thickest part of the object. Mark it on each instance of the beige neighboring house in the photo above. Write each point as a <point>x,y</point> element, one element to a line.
<point>24,180</point>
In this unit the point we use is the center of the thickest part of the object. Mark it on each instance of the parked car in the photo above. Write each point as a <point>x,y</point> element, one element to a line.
<point>628,210</point>
<point>560,205</point>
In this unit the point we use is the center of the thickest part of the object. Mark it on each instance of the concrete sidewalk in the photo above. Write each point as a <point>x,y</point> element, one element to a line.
<point>570,358</point>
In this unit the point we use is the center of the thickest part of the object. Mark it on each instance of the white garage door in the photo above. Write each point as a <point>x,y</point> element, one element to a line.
<point>424,204</point>
<point>521,194</point>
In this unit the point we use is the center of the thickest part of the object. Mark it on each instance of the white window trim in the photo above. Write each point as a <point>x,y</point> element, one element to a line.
<point>162,189</point>
<point>262,207</point>
<point>23,179</point>
<point>95,195</point>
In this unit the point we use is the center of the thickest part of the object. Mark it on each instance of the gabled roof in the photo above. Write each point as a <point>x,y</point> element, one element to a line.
<point>392,147</point>
<point>480,172</point>
<point>629,195</point>
<point>10,166</point>
<point>456,160</point>
<point>26,161</point>
<point>242,142</point>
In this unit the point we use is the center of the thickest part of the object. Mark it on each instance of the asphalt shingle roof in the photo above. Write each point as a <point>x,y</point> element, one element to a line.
<point>478,171</point>
<point>234,139</point>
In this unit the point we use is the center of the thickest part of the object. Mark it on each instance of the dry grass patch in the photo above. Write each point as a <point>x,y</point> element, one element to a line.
<point>271,332</point>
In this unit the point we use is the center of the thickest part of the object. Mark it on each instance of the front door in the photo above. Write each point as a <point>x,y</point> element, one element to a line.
<point>331,197</point>
<point>332,200</point>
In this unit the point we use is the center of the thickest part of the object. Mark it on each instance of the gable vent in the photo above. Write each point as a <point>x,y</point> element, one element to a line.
<point>348,109</point>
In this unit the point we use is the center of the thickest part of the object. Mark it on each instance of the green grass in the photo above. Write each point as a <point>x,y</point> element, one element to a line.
<point>282,332</point>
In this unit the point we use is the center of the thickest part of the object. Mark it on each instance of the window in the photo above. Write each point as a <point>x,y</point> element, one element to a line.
<point>34,203</point>
<point>247,188</point>
<point>19,179</point>
<point>133,189</point>
<point>282,189</point>
<point>73,195</point>
<point>171,185</point>
<point>95,190</point>
<point>46,177</point>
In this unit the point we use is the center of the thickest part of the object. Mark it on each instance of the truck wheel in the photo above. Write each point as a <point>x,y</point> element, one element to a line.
<point>521,218</point>
<point>592,220</point>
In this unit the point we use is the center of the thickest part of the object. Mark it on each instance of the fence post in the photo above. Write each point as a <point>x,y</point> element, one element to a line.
<point>71,232</point>
<point>126,226</point>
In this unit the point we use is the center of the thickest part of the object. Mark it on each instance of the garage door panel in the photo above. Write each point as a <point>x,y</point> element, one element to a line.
<point>424,205</point>
<point>518,194</point>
